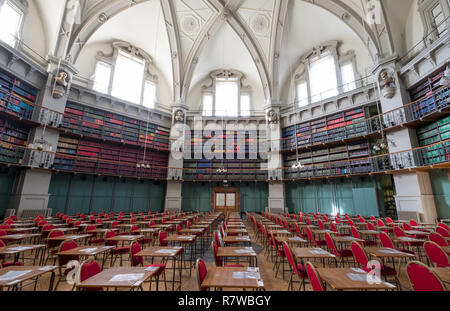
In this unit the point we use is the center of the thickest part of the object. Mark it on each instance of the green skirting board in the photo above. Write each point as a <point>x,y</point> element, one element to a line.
<point>440,182</point>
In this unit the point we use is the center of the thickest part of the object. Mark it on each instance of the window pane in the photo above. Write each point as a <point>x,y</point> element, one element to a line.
<point>245,105</point>
<point>322,78</point>
<point>348,77</point>
<point>149,94</point>
<point>10,19</point>
<point>102,77</point>
<point>227,97</point>
<point>302,94</point>
<point>128,75</point>
<point>207,105</point>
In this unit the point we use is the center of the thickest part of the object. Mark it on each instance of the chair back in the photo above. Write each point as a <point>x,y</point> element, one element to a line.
<point>162,238</point>
<point>65,246</point>
<point>215,249</point>
<point>398,232</point>
<point>438,239</point>
<point>388,220</point>
<point>422,278</point>
<point>330,244</point>
<point>320,224</point>
<point>53,234</point>
<point>370,226</point>
<point>442,231</point>
<point>413,223</point>
<point>87,270</point>
<point>309,234</point>
<point>355,233</point>
<point>290,258</point>
<point>360,256</point>
<point>201,273</point>
<point>436,255</point>
<point>386,240</point>
<point>135,260</point>
<point>441,224</point>
<point>216,237</point>
<point>333,227</point>
<point>406,227</point>
<point>314,278</point>
<point>110,234</point>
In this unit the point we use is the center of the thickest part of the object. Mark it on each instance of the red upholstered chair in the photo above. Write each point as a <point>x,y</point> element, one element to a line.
<point>63,260</point>
<point>406,227</point>
<point>279,256</point>
<point>436,255</point>
<point>52,246</point>
<point>162,238</point>
<point>441,224</point>
<point>201,273</point>
<point>355,234</point>
<point>117,251</point>
<point>218,260</point>
<point>340,253</point>
<point>95,239</point>
<point>298,231</point>
<point>442,231</point>
<point>438,239</point>
<point>216,237</point>
<point>387,243</point>
<point>2,258</point>
<point>138,261</point>
<point>296,269</point>
<point>87,270</point>
<point>413,223</point>
<point>398,232</point>
<point>389,221</point>
<point>314,278</point>
<point>313,240</point>
<point>422,278</point>
<point>46,230</point>
<point>361,257</point>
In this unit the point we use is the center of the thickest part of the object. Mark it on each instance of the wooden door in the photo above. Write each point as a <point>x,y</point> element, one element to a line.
<point>226,200</point>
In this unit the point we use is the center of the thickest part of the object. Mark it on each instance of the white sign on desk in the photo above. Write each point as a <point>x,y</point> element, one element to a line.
<point>231,199</point>
<point>220,199</point>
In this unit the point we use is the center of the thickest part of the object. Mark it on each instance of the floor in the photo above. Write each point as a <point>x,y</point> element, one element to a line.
<point>189,283</point>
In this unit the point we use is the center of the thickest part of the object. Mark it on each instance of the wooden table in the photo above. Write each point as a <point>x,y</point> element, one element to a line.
<point>86,251</point>
<point>70,237</point>
<point>120,278</point>
<point>290,240</point>
<point>236,231</point>
<point>416,232</point>
<point>232,277</point>
<point>172,252</point>
<point>236,239</point>
<point>12,277</point>
<point>125,238</point>
<point>17,249</point>
<point>314,253</point>
<point>19,237</point>
<point>238,252</point>
<point>443,274</point>
<point>341,279</point>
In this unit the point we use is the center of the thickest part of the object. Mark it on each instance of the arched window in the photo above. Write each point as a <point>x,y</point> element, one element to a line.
<point>126,75</point>
<point>225,95</point>
<point>12,14</point>
<point>324,73</point>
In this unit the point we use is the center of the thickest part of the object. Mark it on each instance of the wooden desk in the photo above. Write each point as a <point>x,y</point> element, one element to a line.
<point>416,232</point>
<point>17,249</point>
<point>236,231</point>
<point>442,273</point>
<point>237,239</point>
<point>12,277</point>
<point>22,229</point>
<point>19,237</point>
<point>125,238</point>
<point>121,277</point>
<point>69,237</point>
<point>307,253</point>
<point>238,252</point>
<point>346,239</point>
<point>290,240</point>
<point>230,277</point>
<point>341,279</point>
<point>172,252</point>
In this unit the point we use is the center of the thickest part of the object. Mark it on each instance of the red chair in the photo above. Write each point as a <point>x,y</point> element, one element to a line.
<point>218,260</point>
<point>389,221</point>
<point>139,261</point>
<point>313,240</point>
<point>422,278</point>
<point>279,254</point>
<point>340,253</point>
<point>438,239</point>
<point>95,239</point>
<point>216,237</point>
<point>87,270</point>
<point>201,274</point>
<point>46,230</point>
<point>296,269</point>
<point>442,231</point>
<point>361,257</point>
<point>116,251</point>
<point>436,255</point>
<point>398,232</point>
<point>413,223</point>
<point>63,260</point>
<point>52,245</point>
<point>162,238</point>
<point>441,224</point>
<point>406,227</point>
<point>386,242</point>
<point>2,258</point>
<point>314,278</point>
<point>356,235</point>
<point>298,231</point>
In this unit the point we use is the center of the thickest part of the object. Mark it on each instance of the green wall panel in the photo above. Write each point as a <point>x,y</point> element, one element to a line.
<point>59,187</point>
<point>6,184</point>
<point>157,196</point>
<point>440,182</point>
<point>80,194</point>
<point>103,195</point>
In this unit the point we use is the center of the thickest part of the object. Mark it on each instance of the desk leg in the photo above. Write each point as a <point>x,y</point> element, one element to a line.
<point>52,280</point>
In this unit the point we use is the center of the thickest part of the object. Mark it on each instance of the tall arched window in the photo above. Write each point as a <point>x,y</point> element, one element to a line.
<point>225,95</point>
<point>12,14</point>
<point>324,73</point>
<point>126,74</point>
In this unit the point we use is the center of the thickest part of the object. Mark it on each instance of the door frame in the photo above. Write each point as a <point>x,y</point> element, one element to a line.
<point>226,209</point>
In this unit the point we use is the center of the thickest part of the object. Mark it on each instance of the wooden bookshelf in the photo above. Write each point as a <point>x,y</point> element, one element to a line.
<point>337,127</point>
<point>431,134</point>
<point>13,141</point>
<point>16,97</point>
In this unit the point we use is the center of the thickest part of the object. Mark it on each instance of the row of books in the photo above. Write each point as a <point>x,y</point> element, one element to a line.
<point>13,141</point>
<point>432,134</point>
<point>16,97</point>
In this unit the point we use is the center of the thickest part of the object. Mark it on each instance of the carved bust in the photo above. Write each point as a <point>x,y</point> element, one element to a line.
<point>61,84</point>
<point>272,117</point>
<point>179,116</point>
<point>387,84</point>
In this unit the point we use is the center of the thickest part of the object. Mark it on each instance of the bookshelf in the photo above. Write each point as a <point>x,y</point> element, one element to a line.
<point>337,160</point>
<point>349,124</point>
<point>237,168</point>
<point>431,134</point>
<point>13,141</point>
<point>103,125</point>
<point>16,97</point>
<point>426,99</point>
<point>88,156</point>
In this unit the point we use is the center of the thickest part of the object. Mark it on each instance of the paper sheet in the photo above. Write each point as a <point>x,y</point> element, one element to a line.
<point>358,270</point>
<point>389,251</point>
<point>19,248</point>
<point>246,275</point>
<point>357,277</point>
<point>244,251</point>
<point>88,250</point>
<point>130,277</point>
<point>12,275</point>
<point>319,252</point>
<point>151,269</point>
<point>166,251</point>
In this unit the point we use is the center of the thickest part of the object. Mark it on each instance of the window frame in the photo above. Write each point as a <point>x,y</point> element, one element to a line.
<point>22,7</point>
<point>133,51</point>
<point>426,8</point>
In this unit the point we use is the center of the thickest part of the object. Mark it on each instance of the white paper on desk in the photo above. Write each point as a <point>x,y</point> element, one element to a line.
<point>187,237</point>
<point>88,250</point>
<point>260,283</point>
<point>319,252</point>
<point>11,275</point>
<point>46,268</point>
<point>151,269</point>
<point>389,251</point>
<point>19,248</point>
<point>358,270</point>
<point>244,251</point>
<point>389,284</point>
<point>297,238</point>
<point>253,269</point>
<point>130,277</point>
<point>357,277</point>
<point>242,238</point>
<point>166,251</point>
<point>18,236</point>
<point>246,275</point>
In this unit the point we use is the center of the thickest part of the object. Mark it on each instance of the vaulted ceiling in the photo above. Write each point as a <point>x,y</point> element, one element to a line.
<point>189,38</point>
